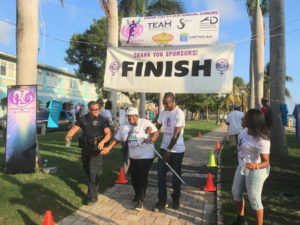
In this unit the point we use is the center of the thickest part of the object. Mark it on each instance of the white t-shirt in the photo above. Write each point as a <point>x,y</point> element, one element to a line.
<point>235,122</point>
<point>249,145</point>
<point>169,120</point>
<point>135,151</point>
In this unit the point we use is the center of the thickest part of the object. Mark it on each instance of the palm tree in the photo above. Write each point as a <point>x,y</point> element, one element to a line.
<point>131,8</point>
<point>27,41</point>
<point>236,95</point>
<point>267,83</point>
<point>164,7</point>
<point>110,8</point>
<point>255,12</point>
<point>27,36</point>
<point>277,74</point>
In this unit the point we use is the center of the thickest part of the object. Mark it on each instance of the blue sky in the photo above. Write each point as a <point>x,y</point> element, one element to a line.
<point>76,16</point>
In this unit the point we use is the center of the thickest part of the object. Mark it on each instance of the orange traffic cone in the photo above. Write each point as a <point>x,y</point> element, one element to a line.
<point>199,134</point>
<point>218,145</point>
<point>222,124</point>
<point>209,184</point>
<point>48,218</point>
<point>121,178</point>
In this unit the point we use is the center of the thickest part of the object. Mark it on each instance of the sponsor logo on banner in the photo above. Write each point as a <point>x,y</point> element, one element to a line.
<point>114,67</point>
<point>21,97</point>
<point>161,25</point>
<point>222,65</point>
<point>189,29</point>
<point>132,30</point>
<point>162,38</point>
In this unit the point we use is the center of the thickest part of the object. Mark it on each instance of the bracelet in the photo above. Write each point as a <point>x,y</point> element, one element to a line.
<point>256,166</point>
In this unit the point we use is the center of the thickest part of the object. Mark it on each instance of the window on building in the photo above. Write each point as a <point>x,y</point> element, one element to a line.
<point>40,77</point>
<point>11,70</point>
<point>3,68</point>
<point>52,79</point>
<point>71,83</point>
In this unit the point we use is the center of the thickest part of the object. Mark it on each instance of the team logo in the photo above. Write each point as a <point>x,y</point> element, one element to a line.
<point>114,67</point>
<point>95,123</point>
<point>210,20</point>
<point>162,38</point>
<point>222,65</point>
<point>132,30</point>
<point>21,97</point>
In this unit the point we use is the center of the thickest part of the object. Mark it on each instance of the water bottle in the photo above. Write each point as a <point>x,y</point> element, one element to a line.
<point>68,145</point>
<point>45,163</point>
<point>244,170</point>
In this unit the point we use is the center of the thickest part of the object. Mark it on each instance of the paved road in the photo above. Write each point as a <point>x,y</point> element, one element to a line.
<point>197,207</point>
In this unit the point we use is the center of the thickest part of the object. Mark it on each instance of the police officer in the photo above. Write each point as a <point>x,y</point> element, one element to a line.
<point>96,133</point>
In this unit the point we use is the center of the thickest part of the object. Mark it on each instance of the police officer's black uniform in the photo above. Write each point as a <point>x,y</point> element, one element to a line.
<point>93,133</point>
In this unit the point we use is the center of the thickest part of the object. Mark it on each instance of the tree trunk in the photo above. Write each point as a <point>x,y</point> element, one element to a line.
<point>251,101</point>
<point>277,74</point>
<point>258,55</point>
<point>110,8</point>
<point>27,36</point>
<point>142,105</point>
<point>27,41</point>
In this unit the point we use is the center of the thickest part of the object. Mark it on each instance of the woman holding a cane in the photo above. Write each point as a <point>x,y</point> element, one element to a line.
<point>141,156</point>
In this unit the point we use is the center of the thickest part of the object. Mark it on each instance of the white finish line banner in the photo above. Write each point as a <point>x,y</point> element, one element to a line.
<point>178,29</point>
<point>193,69</point>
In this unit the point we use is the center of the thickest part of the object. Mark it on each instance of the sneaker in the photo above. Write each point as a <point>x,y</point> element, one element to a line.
<point>160,206</point>
<point>139,206</point>
<point>175,204</point>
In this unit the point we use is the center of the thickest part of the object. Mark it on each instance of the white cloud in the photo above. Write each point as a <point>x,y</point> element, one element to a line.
<point>6,32</point>
<point>230,10</point>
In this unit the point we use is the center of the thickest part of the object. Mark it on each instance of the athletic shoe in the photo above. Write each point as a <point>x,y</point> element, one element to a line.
<point>139,206</point>
<point>160,206</point>
<point>175,204</point>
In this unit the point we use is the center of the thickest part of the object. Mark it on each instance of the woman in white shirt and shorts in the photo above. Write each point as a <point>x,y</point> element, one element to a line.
<point>253,143</point>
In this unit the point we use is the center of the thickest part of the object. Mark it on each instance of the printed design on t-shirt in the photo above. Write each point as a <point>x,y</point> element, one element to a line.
<point>95,123</point>
<point>240,143</point>
<point>168,126</point>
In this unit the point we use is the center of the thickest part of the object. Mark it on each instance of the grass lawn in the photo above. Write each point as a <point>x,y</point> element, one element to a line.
<point>24,198</point>
<point>280,192</point>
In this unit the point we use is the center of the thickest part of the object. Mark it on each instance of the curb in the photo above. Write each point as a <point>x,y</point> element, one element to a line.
<point>219,187</point>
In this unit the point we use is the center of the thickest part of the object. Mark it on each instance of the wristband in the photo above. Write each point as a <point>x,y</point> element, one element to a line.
<point>256,166</point>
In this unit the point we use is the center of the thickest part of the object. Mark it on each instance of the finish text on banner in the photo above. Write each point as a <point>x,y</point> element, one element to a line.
<point>193,69</point>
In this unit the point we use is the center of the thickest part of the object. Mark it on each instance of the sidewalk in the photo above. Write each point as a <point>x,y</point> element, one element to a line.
<point>196,206</point>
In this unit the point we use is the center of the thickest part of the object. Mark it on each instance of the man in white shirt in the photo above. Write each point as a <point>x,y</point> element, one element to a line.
<point>172,150</point>
<point>234,120</point>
